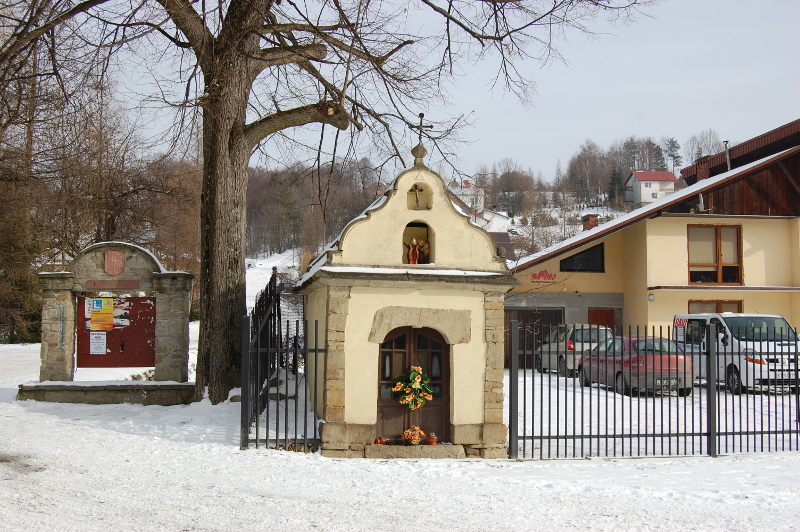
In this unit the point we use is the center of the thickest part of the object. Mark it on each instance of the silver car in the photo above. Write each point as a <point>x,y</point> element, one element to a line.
<point>563,348</point>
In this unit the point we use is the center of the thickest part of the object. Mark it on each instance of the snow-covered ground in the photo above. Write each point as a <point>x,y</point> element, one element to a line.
<point>130,467</point>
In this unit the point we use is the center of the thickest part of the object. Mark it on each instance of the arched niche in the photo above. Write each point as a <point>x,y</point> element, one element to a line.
<point>418,244</point>
<point>419,197</point>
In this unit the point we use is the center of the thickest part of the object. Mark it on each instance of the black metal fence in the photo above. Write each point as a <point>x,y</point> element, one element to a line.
<point>276,401</point>
<point>645,395</point>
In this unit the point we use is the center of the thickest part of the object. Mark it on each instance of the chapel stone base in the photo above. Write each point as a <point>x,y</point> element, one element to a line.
<point>350,440</point>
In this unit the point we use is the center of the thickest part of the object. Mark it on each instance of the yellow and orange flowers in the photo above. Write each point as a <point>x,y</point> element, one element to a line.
<point>413,434</point>
<point>414,388</point>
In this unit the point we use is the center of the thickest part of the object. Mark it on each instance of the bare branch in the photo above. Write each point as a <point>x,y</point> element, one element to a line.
<point>325,112</point>
<point>192,26</point>
<point>294,54</point>
<point>25,36</point>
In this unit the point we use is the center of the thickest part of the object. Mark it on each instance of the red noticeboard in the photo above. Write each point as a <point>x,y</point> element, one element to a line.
<point>116,332</point>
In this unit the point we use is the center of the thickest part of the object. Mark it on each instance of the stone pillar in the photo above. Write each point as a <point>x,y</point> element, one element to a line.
<point>172,325</point>
<point>58,327</point>
<point>494,431</point>
<point>334,431</point>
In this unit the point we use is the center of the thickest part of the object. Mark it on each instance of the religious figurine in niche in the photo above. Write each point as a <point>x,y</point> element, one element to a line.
<point>418,251</point>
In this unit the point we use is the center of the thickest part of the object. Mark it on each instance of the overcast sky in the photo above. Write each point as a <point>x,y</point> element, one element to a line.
<point>727,65</point>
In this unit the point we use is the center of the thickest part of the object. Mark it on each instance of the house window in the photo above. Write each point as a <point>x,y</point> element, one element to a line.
<point>648,185</point>
<point>714,254</point>
<point>714,306</point>
<point>655,195</point>
<point>589,260</point>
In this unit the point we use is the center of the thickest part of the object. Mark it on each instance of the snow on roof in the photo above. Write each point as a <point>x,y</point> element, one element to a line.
<point>409,271</point>
<point>642,176</point>
<point>637,215</point>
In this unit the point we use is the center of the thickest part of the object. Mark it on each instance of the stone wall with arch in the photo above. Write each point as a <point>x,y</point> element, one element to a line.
<point>110,269</point>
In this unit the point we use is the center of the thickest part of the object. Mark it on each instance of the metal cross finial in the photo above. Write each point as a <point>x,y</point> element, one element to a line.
<point>420,127</point>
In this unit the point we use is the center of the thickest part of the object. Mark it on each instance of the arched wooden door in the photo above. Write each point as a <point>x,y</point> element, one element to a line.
<point>402,348</point>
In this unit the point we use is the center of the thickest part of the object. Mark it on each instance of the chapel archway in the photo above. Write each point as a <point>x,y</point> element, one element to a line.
<point>402,348</point>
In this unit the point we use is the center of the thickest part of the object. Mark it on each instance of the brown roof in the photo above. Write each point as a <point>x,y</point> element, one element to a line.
<point>779,139</point>
<point>652,210</point>
<point>503,240</point>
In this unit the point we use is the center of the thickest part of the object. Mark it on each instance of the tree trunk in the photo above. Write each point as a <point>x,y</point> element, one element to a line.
<point>223,212</point>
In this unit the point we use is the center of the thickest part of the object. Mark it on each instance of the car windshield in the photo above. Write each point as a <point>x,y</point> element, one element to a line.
<point>760,328</point>
<point>655,344</point>
<point>592,334</point>
<point>611,345</point>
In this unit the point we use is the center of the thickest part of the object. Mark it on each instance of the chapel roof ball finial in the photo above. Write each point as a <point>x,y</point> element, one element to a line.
<point>419,152</point>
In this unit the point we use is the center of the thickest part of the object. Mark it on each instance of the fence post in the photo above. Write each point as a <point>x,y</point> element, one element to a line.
<point>796,382</point>
<point>513,399</point>
<point>711,390</point>
<point>244,437</point>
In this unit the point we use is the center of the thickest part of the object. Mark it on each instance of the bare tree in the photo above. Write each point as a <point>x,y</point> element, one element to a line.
<point>707,142</point>
<point>260,67</point>
<point>588,171</point>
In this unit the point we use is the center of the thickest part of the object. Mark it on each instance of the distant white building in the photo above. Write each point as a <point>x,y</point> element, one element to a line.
<point>468,193</point>
<point>643,187</point>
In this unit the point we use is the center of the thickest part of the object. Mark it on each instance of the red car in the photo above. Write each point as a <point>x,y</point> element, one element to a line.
<point>643,364</point>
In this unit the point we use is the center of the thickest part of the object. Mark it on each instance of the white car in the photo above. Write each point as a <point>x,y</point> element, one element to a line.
<point>754,351</point>
<point>563,348</point>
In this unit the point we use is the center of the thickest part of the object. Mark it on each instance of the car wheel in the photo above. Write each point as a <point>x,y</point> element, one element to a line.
<point>620,386</point>
<point>584,378</point>
<point>733,381</point>
<point>537,364</point>
<point>684,392</point>
<point>562,367</point>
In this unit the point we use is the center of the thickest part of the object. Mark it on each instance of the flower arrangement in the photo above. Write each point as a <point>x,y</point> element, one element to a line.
<point>414,434</point>
<point>414,388</point>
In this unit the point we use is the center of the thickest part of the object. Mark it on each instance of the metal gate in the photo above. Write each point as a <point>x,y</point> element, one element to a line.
<point>276,358</point>
<point>552,415</point>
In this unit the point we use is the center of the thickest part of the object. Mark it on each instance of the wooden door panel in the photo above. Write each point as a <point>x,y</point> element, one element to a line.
<point>403,348</point>
<point>602,316</point>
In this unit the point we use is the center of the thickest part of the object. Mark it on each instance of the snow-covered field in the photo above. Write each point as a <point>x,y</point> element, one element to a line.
<point>129,467</point>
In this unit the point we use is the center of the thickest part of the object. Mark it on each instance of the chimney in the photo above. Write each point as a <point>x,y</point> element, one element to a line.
<point>727,154</point>
<point>702,169</point>
<point>590,221</point>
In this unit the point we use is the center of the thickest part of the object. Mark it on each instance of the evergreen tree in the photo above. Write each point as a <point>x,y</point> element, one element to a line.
<point>616,188</point>
<point>657,161</point>
<point>672,149</point>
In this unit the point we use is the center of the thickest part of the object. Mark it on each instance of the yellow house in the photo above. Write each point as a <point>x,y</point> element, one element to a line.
<point>728,242</point>
<point>410,282</point>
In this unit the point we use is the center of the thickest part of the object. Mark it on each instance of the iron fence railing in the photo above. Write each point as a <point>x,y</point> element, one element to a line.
<point>276,360</point>
<point>645,395</point>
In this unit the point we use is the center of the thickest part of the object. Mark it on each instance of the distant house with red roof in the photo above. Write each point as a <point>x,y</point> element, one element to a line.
<point>643,187</point>
<point>468,193</point>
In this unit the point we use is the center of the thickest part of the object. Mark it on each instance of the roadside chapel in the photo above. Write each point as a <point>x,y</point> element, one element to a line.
<point>409,285</point>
